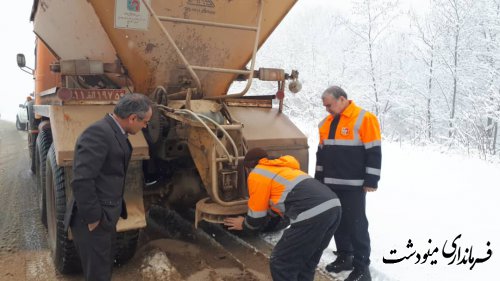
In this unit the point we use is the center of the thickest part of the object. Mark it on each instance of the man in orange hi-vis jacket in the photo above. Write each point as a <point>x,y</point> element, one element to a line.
<point>348,161</point>
<point>313,209</point>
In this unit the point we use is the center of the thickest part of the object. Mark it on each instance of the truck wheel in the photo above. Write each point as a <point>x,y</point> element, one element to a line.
<point>43,142</point>
<point>63,250</point>
<point>32,136</point>
<point>125,246</point>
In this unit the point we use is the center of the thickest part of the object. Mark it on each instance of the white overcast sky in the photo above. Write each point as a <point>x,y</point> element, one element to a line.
<point>17,37</point>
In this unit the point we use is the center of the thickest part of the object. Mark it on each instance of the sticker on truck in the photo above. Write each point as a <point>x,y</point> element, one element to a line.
<point>131,14</point>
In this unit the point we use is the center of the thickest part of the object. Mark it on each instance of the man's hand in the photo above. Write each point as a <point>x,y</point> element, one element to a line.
<point>234,223</point>
<point>369,189</point>
<point>92,226</point>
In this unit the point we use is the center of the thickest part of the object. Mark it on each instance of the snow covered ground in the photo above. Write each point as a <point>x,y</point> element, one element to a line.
<point>426,194</point>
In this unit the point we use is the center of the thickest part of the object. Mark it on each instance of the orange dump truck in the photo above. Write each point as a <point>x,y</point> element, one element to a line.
<point>184,55</point>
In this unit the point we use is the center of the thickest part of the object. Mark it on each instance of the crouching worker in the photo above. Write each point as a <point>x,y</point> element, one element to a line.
<point>313,209</point>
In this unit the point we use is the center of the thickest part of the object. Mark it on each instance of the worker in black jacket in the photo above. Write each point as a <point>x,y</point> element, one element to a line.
<point>313,209</point>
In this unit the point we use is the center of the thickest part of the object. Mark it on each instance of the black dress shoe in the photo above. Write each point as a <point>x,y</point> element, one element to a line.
<point>342,263</point>
<point>360,274</point>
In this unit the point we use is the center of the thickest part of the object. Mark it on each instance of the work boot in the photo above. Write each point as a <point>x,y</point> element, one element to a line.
<point>360,274</point>
<point>343,262</point>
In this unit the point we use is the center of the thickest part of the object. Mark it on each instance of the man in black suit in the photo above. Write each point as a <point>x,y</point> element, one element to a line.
<point>102,154</point>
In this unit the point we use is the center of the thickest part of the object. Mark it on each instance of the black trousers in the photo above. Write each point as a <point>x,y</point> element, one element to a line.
<point>299,250</point>
<point>95,249</point>
<point>352,237</point>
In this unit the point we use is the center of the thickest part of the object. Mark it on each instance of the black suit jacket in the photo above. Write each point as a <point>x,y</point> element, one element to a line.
<point>102,154</point>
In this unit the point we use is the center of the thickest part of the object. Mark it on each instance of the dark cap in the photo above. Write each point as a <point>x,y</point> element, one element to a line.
<point>253,156</point>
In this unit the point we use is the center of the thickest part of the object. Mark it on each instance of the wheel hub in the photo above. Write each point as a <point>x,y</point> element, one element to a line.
<point>212,212</point>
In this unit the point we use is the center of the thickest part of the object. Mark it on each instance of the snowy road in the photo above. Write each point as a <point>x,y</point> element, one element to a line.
<point>426,194</point>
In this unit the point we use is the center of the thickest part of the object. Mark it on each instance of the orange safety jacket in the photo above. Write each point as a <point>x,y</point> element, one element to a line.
<point>349,154</point>
<point>280,185</point>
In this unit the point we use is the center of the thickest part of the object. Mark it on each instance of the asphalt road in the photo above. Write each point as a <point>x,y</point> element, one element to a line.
<point>23,248</point>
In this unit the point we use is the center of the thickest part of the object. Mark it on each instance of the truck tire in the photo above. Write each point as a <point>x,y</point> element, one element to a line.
<point>125,246</point>
<point>63,250</point>
<point>32,136</point>
<point>43,142</point>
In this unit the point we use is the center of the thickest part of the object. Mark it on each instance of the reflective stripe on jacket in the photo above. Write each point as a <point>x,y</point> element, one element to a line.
<point>280,185</point>
<point>349,154</point>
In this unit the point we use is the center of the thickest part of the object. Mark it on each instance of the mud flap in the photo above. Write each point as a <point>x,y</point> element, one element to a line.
<point>134,183</point>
